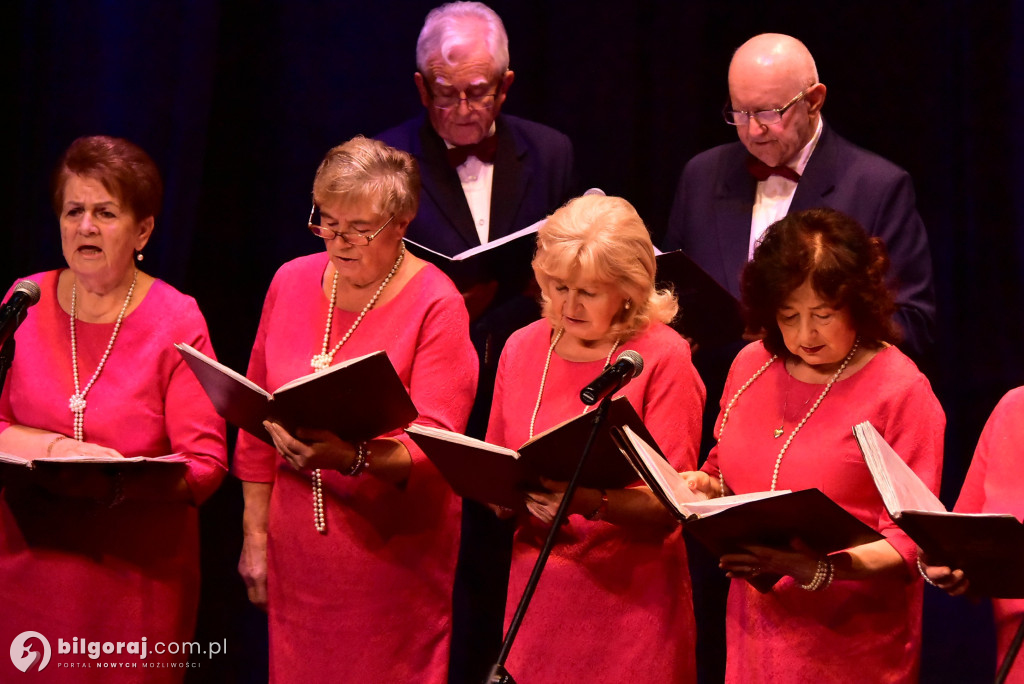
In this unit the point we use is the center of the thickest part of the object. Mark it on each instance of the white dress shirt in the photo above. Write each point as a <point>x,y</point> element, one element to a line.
<point>774,195</point>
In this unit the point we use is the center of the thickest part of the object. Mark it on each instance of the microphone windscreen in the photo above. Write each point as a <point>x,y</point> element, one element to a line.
<point>634,358</point>
<point>30,288</point>
<point>594,191</point>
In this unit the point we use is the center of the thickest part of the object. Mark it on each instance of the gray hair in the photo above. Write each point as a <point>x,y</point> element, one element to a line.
<point>366,170</point>
<point>456,23</point>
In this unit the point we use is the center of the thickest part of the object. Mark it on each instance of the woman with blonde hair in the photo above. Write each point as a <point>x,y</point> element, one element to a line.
<point>618,568</point>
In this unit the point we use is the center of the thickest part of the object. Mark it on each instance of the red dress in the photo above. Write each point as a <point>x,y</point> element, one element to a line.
<point>71,569</point>
<point>995,484</point>
<point>370,600</point>
<point>854,631</point>
<point>614,603</point>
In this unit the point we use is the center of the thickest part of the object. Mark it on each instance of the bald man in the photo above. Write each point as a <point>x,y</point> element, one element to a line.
<point>788,159</point>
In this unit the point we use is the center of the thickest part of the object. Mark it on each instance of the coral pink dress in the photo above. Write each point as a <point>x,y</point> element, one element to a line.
<point>995,484</point>
<point>77,569</point>
<point>370,600</point>
<point>614,603</point>
<point>854,631</point>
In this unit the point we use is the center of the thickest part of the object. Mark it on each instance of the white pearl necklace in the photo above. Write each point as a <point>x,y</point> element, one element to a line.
<point>77,401</point>
<point>322,362</point>
<point>544,376</point>
<point>789,440</point>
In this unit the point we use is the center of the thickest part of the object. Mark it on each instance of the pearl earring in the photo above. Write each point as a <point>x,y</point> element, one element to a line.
<point>627,305</point>
<point>138,256</point>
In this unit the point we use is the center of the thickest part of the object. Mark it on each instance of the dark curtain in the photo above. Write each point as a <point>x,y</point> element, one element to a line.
<point>238,101</point>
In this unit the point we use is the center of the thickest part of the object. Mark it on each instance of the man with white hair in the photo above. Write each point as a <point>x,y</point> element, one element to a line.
<point>787,159</point>
<point>485,175</point>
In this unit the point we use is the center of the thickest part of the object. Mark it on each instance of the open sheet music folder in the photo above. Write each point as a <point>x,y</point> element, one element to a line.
<point>988,547</point>
<point>730,523</point>
<point>493,474</point>
<point>708,313</point>
<point>357,399</point>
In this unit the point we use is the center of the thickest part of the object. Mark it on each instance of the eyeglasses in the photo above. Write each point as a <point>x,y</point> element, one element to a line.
<point>765,117</point>
<point>447,102</point>
<point>352,238</point>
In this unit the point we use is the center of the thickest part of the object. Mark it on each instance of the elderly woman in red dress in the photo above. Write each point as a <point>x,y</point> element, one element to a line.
<point>815,293</point>
<point>614,602</point>
<point>994,484</point>
<point>105,558</point>
<point>360,591</point>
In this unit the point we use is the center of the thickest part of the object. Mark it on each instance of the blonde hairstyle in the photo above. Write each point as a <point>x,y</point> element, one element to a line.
<point>604,239</point>
<point>365,170</point>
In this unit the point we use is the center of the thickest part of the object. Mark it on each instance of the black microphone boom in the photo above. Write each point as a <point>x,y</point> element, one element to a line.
<point>629,365</point>
<point>13,311</point>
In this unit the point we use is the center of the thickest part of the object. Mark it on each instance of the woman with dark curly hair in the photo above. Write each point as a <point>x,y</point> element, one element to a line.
<point>816,297</point>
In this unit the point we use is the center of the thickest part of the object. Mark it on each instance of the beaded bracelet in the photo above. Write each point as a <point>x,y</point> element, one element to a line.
<point>822,576</point>
<point>359,463</point>
<point>49,447</point>
<point>924,575</point>
<point>602,508</point>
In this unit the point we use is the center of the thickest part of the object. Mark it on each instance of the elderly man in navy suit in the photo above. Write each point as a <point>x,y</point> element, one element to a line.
<point>485,175</point>
<point>788,159</point>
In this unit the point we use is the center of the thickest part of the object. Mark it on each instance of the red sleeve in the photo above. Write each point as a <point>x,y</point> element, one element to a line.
<point>674,404</point>
<point>192,424</point>
<point>255,460</point>
<point>914,427</point>
<point>444,373</point>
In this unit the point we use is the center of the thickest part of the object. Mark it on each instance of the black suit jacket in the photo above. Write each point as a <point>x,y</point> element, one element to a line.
<point>711,215</point>
<point>533,176</point>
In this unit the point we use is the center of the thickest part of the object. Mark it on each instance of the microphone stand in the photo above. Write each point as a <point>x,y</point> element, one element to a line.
<point>499,675</point>
<point>1011,654</point>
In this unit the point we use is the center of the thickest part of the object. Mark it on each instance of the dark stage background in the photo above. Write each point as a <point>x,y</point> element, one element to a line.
<point>238,101</point>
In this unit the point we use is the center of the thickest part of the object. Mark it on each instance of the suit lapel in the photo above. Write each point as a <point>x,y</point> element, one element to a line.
<point>509,184</point>
<point>441,183</point>
<point>819,177</point>
<point>734,206</point>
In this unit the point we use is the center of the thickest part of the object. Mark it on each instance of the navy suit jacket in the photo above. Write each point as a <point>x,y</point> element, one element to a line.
<point>533,176</point>
<point>714,200</point>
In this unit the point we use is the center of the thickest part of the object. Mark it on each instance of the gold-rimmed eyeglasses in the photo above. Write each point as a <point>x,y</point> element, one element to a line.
<point>350,236</point>
<point>765,117</point>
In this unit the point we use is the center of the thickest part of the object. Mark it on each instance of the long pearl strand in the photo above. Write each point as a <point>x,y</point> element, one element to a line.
<point>544,376</point>
<point>322,362</point>
<point>789,440</point>
<point>77,401</point>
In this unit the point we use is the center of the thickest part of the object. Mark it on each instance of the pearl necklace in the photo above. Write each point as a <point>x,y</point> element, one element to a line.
<point>322,362</point>
<point>544,376</point>
<point>77,401</point>
<point>789,440</point>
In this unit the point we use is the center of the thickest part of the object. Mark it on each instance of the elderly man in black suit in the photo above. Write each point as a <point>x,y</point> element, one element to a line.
<point>485,175</point>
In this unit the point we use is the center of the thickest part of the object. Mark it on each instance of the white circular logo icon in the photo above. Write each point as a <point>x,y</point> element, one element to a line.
<point>24,656</point>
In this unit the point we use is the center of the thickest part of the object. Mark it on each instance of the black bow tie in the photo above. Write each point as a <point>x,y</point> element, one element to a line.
<point>761,171</point>
<point>483,150</point>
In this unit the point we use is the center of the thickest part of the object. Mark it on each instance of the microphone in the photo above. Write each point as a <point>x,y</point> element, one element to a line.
<point>25,294</point>
<point>613,378</point>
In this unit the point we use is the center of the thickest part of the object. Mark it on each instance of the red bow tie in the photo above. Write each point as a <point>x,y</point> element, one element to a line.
<point>761,171</point>
<point>483,150</point>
